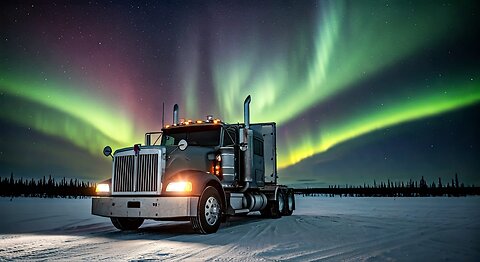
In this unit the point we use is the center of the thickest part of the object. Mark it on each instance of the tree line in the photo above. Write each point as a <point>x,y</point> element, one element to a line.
<point>396,189</point>
<point>45,187</point>
<point>73,188</point>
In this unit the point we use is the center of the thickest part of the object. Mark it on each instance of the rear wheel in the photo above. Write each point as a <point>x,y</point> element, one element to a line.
<point>290,203</point>
<point>209,212</point>
<point>274,208</point>
<point>127,223</point>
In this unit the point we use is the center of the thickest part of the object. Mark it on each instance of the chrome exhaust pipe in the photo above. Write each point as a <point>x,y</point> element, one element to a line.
<point>246,135</point>
<point>246,111</point>
<point>175,114</point>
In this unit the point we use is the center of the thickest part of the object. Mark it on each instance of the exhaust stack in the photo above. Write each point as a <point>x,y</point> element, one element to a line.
<point>175,114</point>
<point>246,111</point>
<point>246,145</point>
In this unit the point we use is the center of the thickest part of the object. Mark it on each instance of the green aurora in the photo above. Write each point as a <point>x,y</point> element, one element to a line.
<point>348,45</point>
<point>62,111</point>
<point>455,95</point>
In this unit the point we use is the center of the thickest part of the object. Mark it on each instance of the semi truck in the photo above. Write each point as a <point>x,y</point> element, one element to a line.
<point>203,171</point>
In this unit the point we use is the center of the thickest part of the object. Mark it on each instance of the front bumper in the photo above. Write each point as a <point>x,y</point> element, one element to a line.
<point>145,207</point>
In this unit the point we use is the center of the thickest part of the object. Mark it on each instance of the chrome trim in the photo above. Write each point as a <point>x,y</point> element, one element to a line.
<point>138,174</point>
<point>150,207</point>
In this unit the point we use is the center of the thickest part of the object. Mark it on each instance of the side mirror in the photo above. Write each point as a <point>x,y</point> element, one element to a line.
<point>182,145</point>
<point>244,147</point>
<point>107,151</point>
<point>148,138</point>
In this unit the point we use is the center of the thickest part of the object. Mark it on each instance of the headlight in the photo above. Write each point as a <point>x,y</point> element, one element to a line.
<point>102,188</point>
<point>179,187</point>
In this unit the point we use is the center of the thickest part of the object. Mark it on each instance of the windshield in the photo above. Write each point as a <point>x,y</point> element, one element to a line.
<point>195,136</point>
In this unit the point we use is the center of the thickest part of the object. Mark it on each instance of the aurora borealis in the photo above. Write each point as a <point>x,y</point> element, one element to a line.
<point>360,90</point>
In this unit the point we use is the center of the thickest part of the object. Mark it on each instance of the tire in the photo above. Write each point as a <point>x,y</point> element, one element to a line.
<point>290,203</point>
<point>126,223</point>
<point>274,208</point>
<point>209,212</point>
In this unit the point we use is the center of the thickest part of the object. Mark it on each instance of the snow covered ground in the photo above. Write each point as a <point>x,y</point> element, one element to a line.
<point>376,229</point>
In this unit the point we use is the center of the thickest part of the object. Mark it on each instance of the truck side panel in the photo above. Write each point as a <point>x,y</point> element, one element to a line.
<point>268,131</point>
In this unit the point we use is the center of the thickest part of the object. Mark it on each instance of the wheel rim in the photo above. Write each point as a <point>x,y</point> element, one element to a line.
<point>212,210</point>
<point>281,203</point>
<point>290,202</point>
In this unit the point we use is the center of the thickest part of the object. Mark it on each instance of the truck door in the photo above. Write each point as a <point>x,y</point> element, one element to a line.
<point>258,162</point>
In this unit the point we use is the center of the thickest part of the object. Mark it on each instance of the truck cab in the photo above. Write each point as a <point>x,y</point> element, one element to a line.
<point>202,171</point>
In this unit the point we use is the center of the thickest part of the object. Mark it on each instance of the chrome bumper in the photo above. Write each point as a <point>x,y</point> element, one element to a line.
<point>145,207</point>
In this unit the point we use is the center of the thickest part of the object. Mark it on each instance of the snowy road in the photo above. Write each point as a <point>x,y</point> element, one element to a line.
<point>402,229</point>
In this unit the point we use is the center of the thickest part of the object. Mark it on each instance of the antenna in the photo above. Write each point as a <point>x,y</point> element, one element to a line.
<point>163,114</point>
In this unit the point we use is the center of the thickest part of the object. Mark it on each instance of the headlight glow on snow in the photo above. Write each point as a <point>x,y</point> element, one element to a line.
<point>184,186</point>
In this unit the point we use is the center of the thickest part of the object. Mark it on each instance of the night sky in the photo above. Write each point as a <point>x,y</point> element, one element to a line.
<point>360,90</point>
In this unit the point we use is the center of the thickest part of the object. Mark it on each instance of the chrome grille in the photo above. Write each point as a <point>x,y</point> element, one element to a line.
<point>123,173</point>
<point>138,174</point>
<point>147,173</point>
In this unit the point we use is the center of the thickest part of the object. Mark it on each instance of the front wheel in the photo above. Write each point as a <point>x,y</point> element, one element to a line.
<point>209,212</point>
<point>127,223</point>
